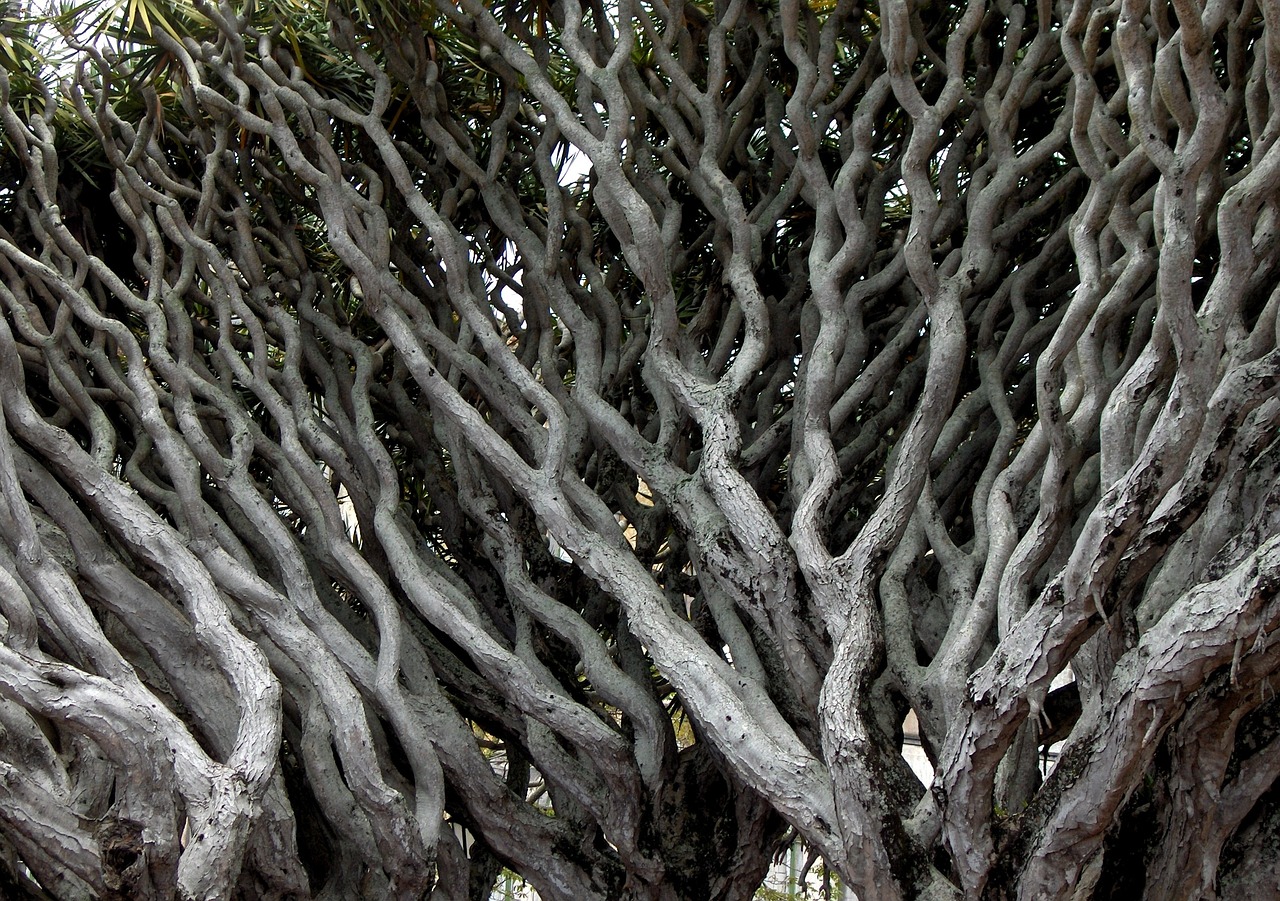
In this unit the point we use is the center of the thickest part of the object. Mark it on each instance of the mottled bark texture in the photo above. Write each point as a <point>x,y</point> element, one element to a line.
<point>572,438</point>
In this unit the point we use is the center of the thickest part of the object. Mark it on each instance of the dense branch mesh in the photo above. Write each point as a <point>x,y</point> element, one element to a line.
<point>442,438</point>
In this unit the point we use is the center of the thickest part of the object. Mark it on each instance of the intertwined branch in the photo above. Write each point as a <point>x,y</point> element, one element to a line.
<point>573,439</point>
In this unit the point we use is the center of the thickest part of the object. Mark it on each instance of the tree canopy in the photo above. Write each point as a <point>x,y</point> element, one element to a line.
<point>574,437</point>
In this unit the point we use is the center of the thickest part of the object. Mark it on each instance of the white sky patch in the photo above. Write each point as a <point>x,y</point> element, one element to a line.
<point>575,169</point>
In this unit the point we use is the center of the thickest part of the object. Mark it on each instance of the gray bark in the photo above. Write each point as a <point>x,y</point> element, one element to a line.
<point>573,438</point>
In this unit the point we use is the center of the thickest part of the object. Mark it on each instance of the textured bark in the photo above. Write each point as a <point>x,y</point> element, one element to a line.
<point>573,439</point>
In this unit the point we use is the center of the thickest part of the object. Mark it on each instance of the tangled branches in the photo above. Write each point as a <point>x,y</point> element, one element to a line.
<point>574,438</point>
